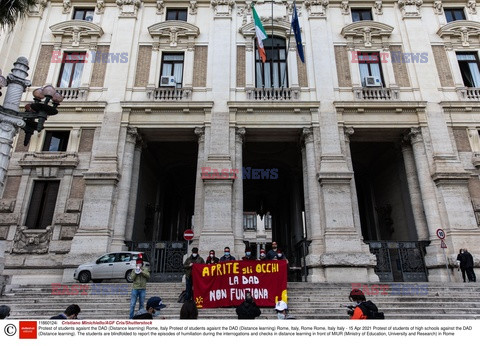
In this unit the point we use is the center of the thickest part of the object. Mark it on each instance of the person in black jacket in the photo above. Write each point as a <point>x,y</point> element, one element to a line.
<point>248,310</point>
<point>71,313</point>
<point>469,266</point>
<point>211,259</point>
<point>461,260</point>
<point>154,305</point>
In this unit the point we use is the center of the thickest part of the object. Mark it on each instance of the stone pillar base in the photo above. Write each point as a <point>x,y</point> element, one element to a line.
<point>87,245</point>
<point>341,267</point>
<point>118,244</point>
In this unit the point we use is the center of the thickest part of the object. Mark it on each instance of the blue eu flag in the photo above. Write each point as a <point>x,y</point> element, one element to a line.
<point>296,31</point>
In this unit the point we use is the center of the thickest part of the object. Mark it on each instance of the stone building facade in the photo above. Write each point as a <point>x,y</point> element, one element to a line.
<point>351,161</point>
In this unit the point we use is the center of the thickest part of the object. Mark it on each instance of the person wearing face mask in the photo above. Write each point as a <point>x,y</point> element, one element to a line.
<point>273,252</point>
<point>211,259</point>
<point>263,255</point>
<point>248,255</point>
<point>226,255</point>
<point>139,277</point>
<point>280,256</point>
<point>187,266</point>
<point>282,311</point>
<point>154,305</point>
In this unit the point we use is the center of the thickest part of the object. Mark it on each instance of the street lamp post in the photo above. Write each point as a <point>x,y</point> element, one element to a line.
<point>11,119</point>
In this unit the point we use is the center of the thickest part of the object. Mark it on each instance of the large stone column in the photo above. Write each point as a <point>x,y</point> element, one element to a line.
<point>238,191</point>
<point>121,214</point>
<point>434,259</point>
<point>315,234</point>
<point>414,191</point>
<point>132,203</point>
<point>199,189</point>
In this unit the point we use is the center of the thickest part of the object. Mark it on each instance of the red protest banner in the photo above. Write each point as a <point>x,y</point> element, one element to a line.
<point>225,283</point>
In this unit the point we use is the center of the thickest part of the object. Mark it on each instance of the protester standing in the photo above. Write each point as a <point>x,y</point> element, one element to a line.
<point>211,259</point>
<point>187,266</point>
<point>226,255</point>
<point>140,277</point>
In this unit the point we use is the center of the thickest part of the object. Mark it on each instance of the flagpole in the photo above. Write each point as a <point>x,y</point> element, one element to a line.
<point>271,57</point>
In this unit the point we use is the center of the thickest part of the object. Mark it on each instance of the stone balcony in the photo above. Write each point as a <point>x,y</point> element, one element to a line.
<point>469,94</point>
<point>272,94</point>
<point>73,94</point>
<point>169,94</point>
<point>374,94</point>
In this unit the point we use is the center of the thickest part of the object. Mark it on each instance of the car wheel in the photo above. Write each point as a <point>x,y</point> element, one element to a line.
<point>128,276</point>
<point>84,277</point>
<point>97,281</point>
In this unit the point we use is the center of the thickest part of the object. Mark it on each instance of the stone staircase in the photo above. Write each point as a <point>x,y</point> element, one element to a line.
<point>305,300</point>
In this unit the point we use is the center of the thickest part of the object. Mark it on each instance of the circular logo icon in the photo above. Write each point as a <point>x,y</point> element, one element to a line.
<point>10,329</point>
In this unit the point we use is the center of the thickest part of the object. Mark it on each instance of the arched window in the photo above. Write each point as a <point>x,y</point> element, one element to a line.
<point>272,73</point>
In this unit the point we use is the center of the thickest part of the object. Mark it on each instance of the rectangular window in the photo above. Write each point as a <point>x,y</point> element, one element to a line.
<point>369,64</point>
<point>172,65</point>
<point>56,141</point>
<point>268,221</point>
<point>42,204</point>
<point>452,14</point>
<point>84,14</point>
<point>250,221</point>
<point>359,14</point>
<point>71,70</point>
<point>273,73</point>
<point>469,67</point>
<point>177,14</point>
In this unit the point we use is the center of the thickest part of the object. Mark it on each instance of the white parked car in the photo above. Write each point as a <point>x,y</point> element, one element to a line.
<point>115,265</point>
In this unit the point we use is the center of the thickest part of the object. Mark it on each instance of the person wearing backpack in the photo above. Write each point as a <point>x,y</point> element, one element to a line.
<point>363,309</point>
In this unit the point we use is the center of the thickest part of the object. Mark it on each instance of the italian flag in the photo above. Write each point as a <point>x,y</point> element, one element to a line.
<point>260,33</point>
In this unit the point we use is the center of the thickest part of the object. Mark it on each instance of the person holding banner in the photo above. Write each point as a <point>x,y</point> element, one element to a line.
<point>273,252</point>
<point>211,259</point>
<point>248,255</point>
<point>226,255</point>
<point>263,256</point>
<point>187,266</point>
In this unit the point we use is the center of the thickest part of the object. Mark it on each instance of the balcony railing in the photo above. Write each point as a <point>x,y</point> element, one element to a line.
<point>472,94</point>
<point>168,94</point>
<point>72,94</point>
<point>272,94</point>
<point>373,94</point>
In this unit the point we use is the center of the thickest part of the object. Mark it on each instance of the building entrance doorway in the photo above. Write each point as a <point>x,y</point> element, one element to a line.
<point>165,201</point>
<point>385,207</point>
<point>273,196</point>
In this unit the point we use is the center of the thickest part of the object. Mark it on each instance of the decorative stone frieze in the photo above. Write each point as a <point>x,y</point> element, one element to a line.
<point>128,8</point>
<point>378,7</point>
<point>67,6</point>
<point>192,7</point>
<point>317,8</point>
<point>37,9</point>
<point>160,6</point>
<point>7,205</point>
<point>345,7</point>
<point>460,34</point>
<point>32,241</point>
<point>367,34</point>
<point>100,7</point>
<point>438,7</point>
<point>472,6</point>
<point>410,8</point>
<point>222,8</point>
<point>76,34</point>
<point>48,159</point>
<point>174,33</point>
